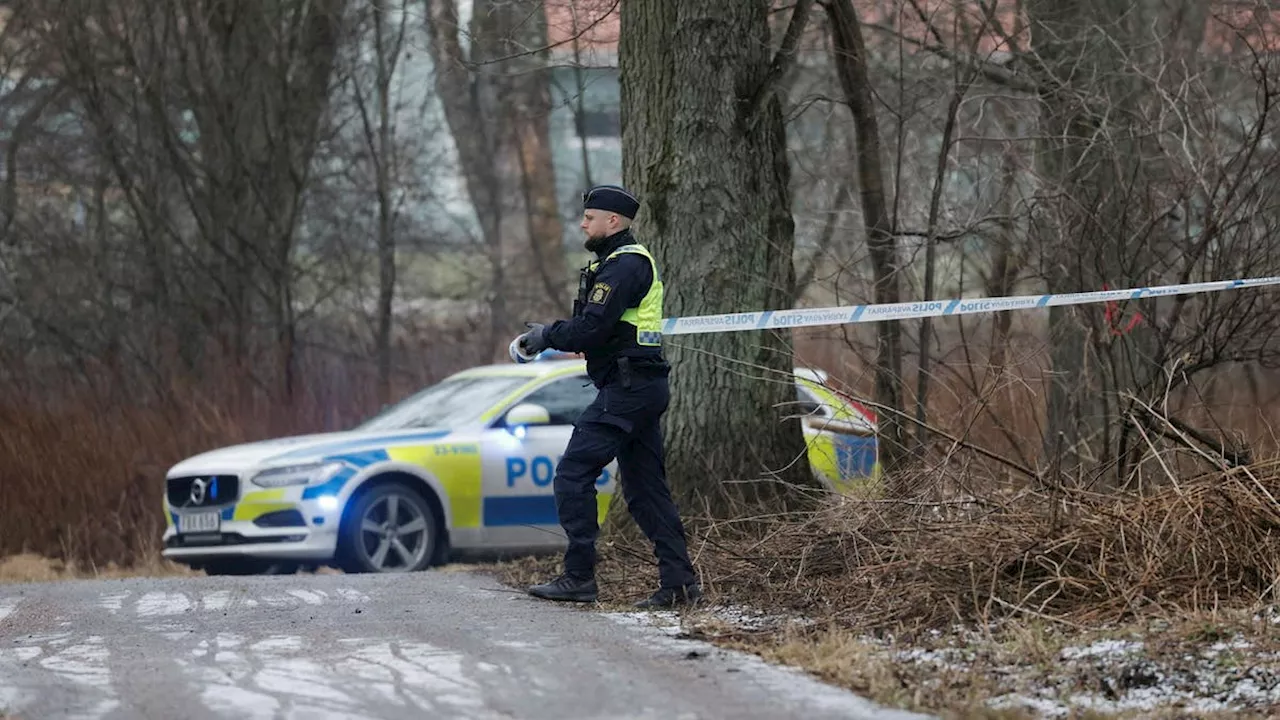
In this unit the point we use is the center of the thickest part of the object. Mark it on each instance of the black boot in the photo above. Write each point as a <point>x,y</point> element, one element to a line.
<point>671,597</point>
<point>566,587</point>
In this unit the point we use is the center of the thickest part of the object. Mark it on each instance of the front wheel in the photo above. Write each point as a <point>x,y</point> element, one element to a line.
<point>390,529</point>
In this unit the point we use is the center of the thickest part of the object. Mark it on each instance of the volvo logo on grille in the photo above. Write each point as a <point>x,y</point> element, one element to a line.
<point>202,489</point>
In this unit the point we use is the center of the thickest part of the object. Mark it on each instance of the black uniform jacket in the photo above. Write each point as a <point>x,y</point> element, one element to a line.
<point>596,329</point>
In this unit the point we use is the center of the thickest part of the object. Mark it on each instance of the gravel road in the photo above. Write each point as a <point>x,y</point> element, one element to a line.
<point>433,644</point>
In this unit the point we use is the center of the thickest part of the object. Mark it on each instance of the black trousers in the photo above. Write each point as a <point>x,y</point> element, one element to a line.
<point>622,423</point>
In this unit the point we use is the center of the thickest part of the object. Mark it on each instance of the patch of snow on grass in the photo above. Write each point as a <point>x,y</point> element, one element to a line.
<point>1102,648</point>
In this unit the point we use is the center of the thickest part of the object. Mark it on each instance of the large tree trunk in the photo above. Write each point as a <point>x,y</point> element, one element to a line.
<point>851,66</point>
<point>704,149</point>
<point>1060,31</point>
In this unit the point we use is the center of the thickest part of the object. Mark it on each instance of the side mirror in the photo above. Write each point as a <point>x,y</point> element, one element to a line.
<point>528,414</point>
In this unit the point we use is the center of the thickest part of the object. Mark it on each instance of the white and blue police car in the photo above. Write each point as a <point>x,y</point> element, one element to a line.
<point>465,464</point>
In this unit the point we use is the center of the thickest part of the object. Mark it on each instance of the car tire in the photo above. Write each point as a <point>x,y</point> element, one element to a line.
<point>372,541</point>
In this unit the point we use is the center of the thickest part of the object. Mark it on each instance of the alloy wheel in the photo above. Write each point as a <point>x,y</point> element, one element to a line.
<point>394,533</point>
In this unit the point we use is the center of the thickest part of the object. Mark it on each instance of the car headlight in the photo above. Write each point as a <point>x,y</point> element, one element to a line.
<point>309,474</point>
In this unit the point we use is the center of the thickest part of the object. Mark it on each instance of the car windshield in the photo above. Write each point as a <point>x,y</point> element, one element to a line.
<point>446,404</point>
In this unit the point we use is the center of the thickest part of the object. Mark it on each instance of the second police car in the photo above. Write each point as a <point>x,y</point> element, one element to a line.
<point>465,464</point>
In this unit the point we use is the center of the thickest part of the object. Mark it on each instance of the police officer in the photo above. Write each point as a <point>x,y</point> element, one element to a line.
<point>616,324</point>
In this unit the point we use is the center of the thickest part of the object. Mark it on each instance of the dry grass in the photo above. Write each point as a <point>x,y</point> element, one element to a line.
<point>90,490</point>
<point>958,673</point>
<point>1179,567</point>
<point>1075,558</point>
<point>839,657</point>
<point>1071,555</point>
<point>995,667</point>
<point>28,567</point>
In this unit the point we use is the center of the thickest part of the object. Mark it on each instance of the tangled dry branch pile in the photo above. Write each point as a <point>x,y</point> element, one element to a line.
<point>1071,555</point>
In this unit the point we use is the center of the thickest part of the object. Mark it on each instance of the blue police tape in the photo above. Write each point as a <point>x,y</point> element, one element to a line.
<point>811,317</point>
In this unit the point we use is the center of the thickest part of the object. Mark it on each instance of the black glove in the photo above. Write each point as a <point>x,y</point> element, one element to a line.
<point>534,341</point>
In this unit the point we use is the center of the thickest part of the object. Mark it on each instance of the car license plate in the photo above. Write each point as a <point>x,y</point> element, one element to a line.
<point>200,522</point>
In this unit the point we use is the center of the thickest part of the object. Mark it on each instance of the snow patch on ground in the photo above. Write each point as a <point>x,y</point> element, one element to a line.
<point>742,617</point>
<point>1102,649</point>
<point>735,617</point>
<point>1106,675</point>
<point>662,629</point>
<point>1122,675</point>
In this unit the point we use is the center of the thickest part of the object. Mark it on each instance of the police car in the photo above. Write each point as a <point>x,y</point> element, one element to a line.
<point>465,464</point>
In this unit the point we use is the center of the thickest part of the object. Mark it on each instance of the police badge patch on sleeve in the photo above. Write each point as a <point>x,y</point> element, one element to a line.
<point>599,293</point>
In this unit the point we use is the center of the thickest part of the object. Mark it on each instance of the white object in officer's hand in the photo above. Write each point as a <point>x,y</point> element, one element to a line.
<point>518,355</point>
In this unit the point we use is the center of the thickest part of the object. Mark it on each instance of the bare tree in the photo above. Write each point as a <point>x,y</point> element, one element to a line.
<point>851,62</point>
<point>496,98</point>
<point>1137,180</point>
<point>703,147</point>
<point>389,25</point>
<point>207,123</point>
<point>1113,78</point>
<point>526,97</point>
<point>964,79</point>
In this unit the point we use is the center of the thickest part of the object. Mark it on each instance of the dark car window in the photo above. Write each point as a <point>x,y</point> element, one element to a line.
<point>564,399</point>
<point>446,404</point>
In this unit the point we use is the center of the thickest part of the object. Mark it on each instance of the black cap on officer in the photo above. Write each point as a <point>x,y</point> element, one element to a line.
<point>611,198</point>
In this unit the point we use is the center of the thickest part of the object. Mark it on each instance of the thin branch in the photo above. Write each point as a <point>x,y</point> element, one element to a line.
<point>805,277</point>
<point>475,64</point>
<point>989,454</point>
<point>782,60</point>
<point>1184,434</point>
<point>17,136</point>
<point>991,71</point>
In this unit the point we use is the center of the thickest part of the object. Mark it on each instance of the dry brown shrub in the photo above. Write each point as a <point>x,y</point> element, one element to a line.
<point>1072,556</point>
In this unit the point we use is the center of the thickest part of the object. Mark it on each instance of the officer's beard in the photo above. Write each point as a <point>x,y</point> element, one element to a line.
<point>595,243</point>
